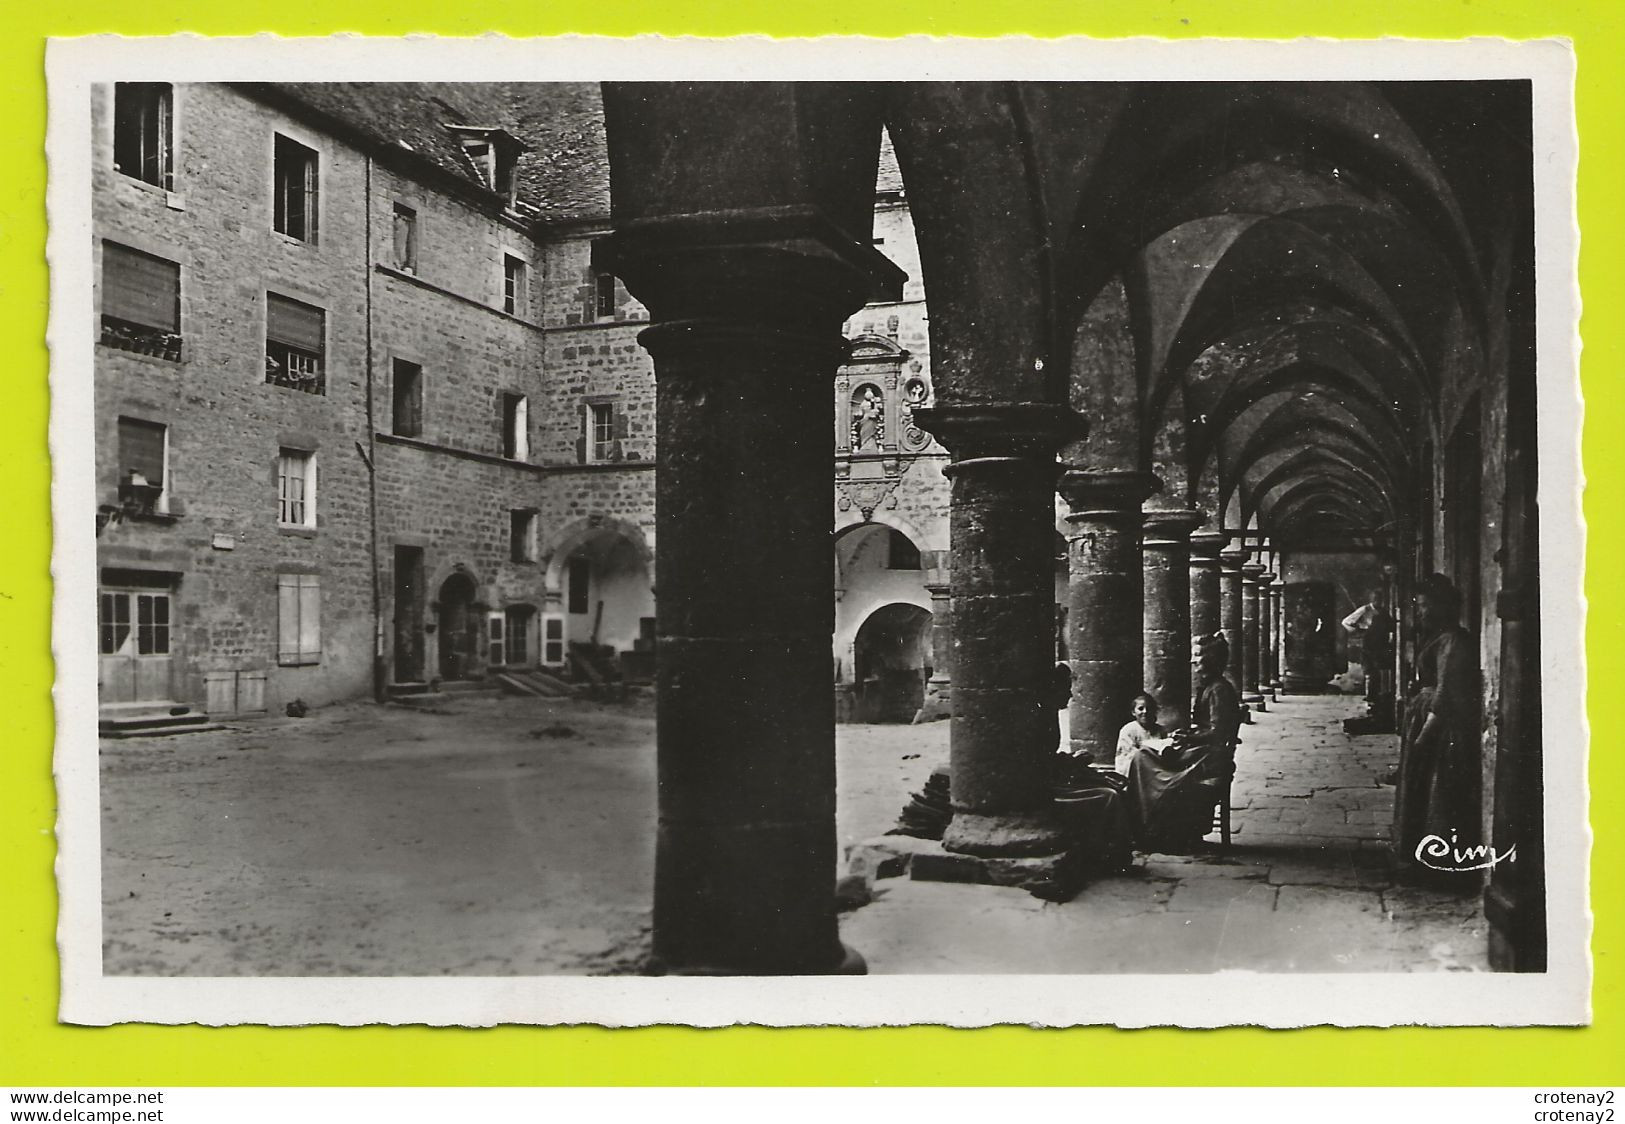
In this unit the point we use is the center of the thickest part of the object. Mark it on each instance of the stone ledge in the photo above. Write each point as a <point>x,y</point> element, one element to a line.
<point>927,860</point>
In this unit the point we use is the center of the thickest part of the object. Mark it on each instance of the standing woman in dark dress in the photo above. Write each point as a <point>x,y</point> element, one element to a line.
<point>1438,782</point>
<point>1173,792</point>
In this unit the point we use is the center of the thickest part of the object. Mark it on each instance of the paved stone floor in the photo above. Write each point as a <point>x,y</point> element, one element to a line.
<point>1305,887</point>
<point>497,836</point>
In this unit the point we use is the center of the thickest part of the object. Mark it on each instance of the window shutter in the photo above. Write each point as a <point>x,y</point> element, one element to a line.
<point>287,617</point>
<point>494,633</point>
<point>294,323</point>
<point>141,448</point>
<point>311,210</point>
<point>521,429</point>
<point>310,618</point>
<point>140,288</point>
<point>584,434</point>
<point>620,432</point>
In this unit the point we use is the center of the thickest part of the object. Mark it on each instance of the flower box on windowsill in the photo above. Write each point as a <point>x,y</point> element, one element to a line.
<point>142,341</point>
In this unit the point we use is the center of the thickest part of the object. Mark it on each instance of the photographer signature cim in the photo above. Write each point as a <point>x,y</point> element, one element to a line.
<point>1435,853</point>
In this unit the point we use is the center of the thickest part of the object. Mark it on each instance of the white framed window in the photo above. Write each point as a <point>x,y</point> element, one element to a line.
<point>516,427</point>
<point>515,286</point>
<point>600,436</point>
<point>299,619</point>
<point>296,488</point>
<point>143,132</point>
<point>295,180</point>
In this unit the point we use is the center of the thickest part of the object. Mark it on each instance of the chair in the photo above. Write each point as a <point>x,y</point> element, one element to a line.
<point>1221,800</point>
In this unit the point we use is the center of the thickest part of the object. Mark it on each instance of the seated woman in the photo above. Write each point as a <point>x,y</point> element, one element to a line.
<point>1172,792</point>
<point>1141,732</point>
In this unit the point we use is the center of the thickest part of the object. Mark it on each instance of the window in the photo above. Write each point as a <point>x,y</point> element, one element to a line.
<point>517,630</point>
<point>406,238</point>
<point>522,535</point>
<point>294,345</point>
<point>296,488</point>
<point>151,621</point>
<point>406,419</point>
<point>142,123</point>
<point>143,456</point>
<point>901,552</point>
<point>293,189</point>
<point>515,291</point>
<point>604,295</point>
<point>515,427</point>
<point>494,155</point>
<point>600,431</point>
<point>299,619</point>
<point>580,582</point>
<point>141,302</point>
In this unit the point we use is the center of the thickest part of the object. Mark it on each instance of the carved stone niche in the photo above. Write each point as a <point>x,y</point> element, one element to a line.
<point>874,403</point>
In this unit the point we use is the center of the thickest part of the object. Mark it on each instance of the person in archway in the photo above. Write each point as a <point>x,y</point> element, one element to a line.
<point>1438,783</point>
<point>1173,792</point>
<point>1373,625</point>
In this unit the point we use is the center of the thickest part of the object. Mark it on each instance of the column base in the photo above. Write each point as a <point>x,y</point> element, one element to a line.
<point>938,702</point>
<point>924,860</point>
<point>1012,835</point>
<point>849,963</point>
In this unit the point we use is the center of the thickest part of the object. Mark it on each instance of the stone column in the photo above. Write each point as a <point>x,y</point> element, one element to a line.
<point>1266,636</point>
<point>1230,562</point>
<point>938,689</point>
<point>1166,567</point>
<point>1249,634</point>
<point>1104,617</point>
<point>1001,530</point>
<point>745,341</point>
<point>1277,638</point>
<point>1205,614</point>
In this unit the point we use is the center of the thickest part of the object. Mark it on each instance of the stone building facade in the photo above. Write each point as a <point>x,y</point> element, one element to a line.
<point>368,417</point>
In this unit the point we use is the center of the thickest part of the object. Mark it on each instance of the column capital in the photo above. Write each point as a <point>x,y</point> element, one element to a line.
<point>1170,528</point>
<point>1113,492</point>
<point>1232,558</point>
<point>1264,581</point>
<point>980,431</point>
<point>1251,571</point>
<point>789,267</point>
<point>1205,547</point>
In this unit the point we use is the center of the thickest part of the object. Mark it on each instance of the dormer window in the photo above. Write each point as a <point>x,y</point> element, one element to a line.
<point>493,154</point>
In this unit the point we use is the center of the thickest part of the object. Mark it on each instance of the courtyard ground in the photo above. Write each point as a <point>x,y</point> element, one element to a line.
<point>496,836</point>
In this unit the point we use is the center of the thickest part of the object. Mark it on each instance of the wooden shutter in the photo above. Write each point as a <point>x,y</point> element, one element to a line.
<point>495,634</point>
<point>299,619</point>
<point>521,429</point>
<point>141,449</point>
<point>294,323</point>
<point>140,288</point>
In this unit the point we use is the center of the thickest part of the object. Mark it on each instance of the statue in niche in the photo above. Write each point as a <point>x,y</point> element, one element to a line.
<point>868,419</point>
<point>915,393</point>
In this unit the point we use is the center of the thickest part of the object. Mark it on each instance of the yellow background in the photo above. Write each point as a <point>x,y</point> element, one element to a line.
<point>34,1050</point>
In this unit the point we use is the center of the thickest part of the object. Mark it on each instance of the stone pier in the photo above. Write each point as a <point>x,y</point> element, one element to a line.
<point>1166,560</point>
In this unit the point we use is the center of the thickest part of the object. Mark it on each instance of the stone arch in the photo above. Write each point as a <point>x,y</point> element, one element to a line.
<point>892,654</point>
<point>573,535</point>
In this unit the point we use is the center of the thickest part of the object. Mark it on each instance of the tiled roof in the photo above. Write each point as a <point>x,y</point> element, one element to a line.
<point>564,173</point>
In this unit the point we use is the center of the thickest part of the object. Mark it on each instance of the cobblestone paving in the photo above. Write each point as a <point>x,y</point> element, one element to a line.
<point>1305,887</point>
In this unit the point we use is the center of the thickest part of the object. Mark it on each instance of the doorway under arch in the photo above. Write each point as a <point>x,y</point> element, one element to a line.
<point>458,625</point>
<point>890,663</point>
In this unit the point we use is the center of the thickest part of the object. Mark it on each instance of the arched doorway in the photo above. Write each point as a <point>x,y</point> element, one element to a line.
<point>458,626</point>
<point>608,603</point>
<point>891,662</point>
